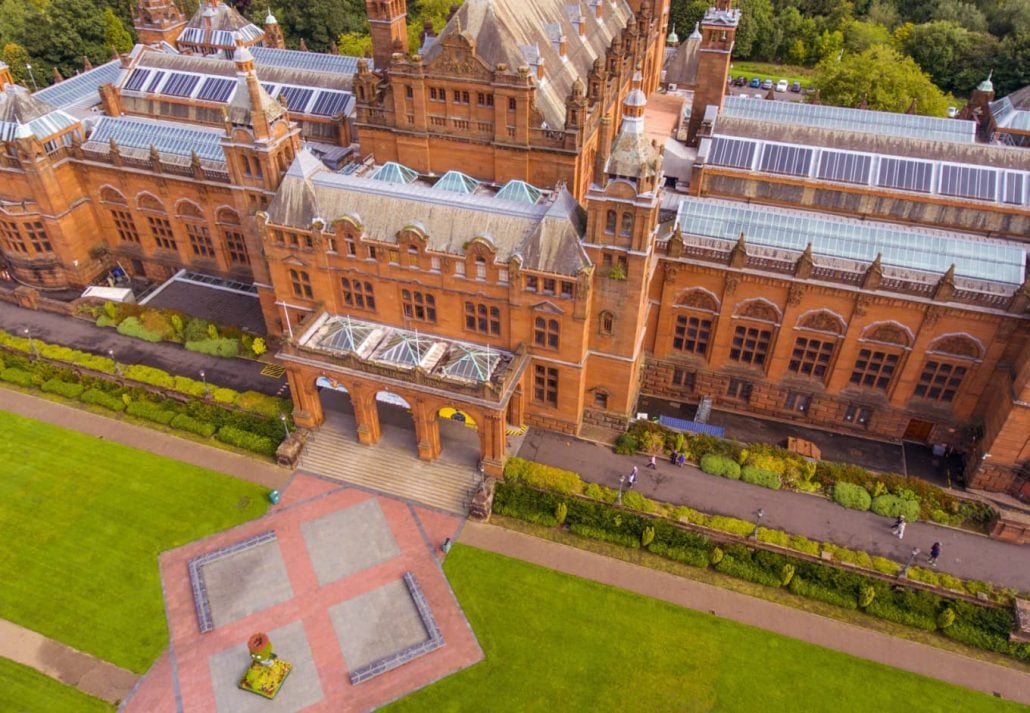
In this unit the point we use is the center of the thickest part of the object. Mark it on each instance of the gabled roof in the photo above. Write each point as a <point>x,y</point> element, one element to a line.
<point>218,24</point>
<point>83,89</point>
<point>519,32</point>
<point>681,69</point>
<point>23,114</point>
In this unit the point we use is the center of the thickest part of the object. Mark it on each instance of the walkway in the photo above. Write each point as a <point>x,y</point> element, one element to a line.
<point>965,554</point>
<point>239,374</point>
<point>69,666</point>
<point>839,636</point>
<point>127,434</point>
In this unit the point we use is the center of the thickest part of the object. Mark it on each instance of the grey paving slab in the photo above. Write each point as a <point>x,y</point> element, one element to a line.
<point>212,304</point>
<point>300,690</point>
<point>377,624</point>
<point>348,541</point>
<point>246,582</point>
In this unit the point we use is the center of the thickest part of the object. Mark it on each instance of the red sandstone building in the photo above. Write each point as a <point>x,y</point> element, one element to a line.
<point>504,246</point>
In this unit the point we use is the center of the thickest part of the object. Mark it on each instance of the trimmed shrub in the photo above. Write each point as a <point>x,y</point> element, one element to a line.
<point>720,465</point>
<point>132,327</point>
<point>102,398</point>
<point>885,566</point>
<point>600,492</point>
<point>560,513</point>
<point>759,476</point>
<point>266,405</point>
<point>730,524</point>
<point>626,445</point>
<point>68,389</point>
<point>246,440</point>
<point>16,376</point>
<point>891,612</point>
<point>946,618</point>
<point>196,330</point>
<point>537,475</point>
<point>746,570</point>
<point>188,386</point>
<point>149,375</point>
<point>787,574</point>
<point>218,347</point>
<point>635,501</point>
<point>693,556</point>
<point>150,411</point>
<point>892,506</point>
<point>258,346</point>
<point>223,395</point>
<point>188,423</point>
<point>105,321</point>
<point>155,322</point>
<point>596,533</point>
<point>811,590</point>
<point>866,596</point>
<point>647,536</point>
<point>852,496</point>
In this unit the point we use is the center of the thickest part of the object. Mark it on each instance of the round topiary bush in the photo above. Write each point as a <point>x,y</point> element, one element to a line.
<point>892,506</point>
<point>852,496</point>
<point>720,465</point>
<point>760,476</point>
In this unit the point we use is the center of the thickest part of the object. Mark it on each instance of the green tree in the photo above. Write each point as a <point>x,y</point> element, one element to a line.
<point>889,81</point>
<point>1013,64</point>
<point>15,57</point>
<point>973,62</point>
<point>860,36</point>
<point>883,12</point>
<point>321,22</point>
<point>756,30</point>
<point>684,14</point>
<point>828,46</point>
<point>1007,17</point>
<point>354,44</point>
<point>798,53</point>
<point>936,47</point>
<point>115,33</point>
<point>961,13</point>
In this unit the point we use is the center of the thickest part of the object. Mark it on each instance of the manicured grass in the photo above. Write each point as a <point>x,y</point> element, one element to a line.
<point>556,642</point>
<point>26,690</point>
<point>775,72</point>
<point>83,521</point>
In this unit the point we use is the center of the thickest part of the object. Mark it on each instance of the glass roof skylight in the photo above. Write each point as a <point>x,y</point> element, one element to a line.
<point>919,249</point>
<point>470,362</point>
<point>456,182</point>
<point>344,334</point>
<point>519,192</point>
<point>391,172</point>
<point>407,349</point>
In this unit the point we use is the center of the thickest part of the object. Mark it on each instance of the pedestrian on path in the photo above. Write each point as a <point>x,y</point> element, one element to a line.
<point>653,463</point>
<point>633,476</point>
<point>680,460</point>
<point>935,552</point>
<point>899,527</point>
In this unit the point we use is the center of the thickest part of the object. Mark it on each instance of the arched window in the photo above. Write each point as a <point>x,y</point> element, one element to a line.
<point>627,225</point>
<point>609,225</point>
<point>110,195</point>
<point>606,323</point>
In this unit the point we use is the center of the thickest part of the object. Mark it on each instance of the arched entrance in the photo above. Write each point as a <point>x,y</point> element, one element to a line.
<point>459,433</point>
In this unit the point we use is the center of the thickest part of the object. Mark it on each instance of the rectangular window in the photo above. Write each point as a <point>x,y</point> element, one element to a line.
<point>874,369</point>
<point>237,246</point>
<point>811,357</point>
<point>684,379</point>
<point>797,401</point>
<point>532,283</point>
<point>460,97</point>
<point>437,94</point>
<point>511,104</point>
<point>856,414</point>
<point>301,284</point>
<point>358,293</point>
<point>940,381</point>
<point>12,238</point>
<point>545,385</point>
<point>740,389</point>
<point>545,332</point>
<point>372,252</point>
<point>750,345</point>
<point>566,289</point>
<point>161,229</point>
<point>409,92</point>
<point>484,99</point>
<point>483,319</point>
<point>38,237</point>
<point>419,305</point>
<point>125,226</point>
<point>549,285</point>
<point>200,240</point>
<point>459,268</point>
<point>692,334</point>
<point>480,268</point>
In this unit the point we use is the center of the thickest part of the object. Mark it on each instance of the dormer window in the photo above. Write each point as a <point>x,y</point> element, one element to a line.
<point>480,268</point>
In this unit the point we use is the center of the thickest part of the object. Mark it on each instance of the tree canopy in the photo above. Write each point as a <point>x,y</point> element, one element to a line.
<point>881,76</point>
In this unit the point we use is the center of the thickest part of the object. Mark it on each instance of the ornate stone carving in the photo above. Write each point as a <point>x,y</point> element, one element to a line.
<point>731,285</point>
<point>822,321</point>
<point>794,295</point>
<point>932,315</point>
<point>862,306</point>
<point>888,333</point>
<point>697,298</point>
<point>758,309</point>
<point>961,345</point>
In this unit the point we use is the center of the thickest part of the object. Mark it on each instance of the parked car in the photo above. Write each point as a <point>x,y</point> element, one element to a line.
<point>755,83</point>
<point>740,81</point>
<point>781,86</point>
<point>767,84</point>
<point>796,87</point>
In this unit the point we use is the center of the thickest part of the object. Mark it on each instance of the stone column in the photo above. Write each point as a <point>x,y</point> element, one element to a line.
<point>427,430</point>
<point>493,444</point>
<point>517,407</point>
<point>307,406</point>
<point>366,414</point>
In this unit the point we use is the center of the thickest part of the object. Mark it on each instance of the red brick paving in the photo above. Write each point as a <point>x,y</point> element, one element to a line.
<point>306,499</point>
<point>438,526</point>
<point>156,692</point>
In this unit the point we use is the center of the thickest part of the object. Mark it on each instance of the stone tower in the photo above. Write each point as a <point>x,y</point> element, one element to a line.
<point>718,30</point>
<point>157,21</point>
<point>273,33</point>
<point>388,19</point>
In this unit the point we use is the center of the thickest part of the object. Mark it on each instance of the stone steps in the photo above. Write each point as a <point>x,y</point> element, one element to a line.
<point>390,468</point>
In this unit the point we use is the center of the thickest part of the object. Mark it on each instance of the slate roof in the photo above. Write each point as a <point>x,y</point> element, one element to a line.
<point>518,32</point>
<point>218,25</point>
<point>546,236</point>
<point>681,68</point>
<point>23,114</point>
<point>81,90</point>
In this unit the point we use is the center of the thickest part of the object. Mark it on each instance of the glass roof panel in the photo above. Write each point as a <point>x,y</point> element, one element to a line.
<point>176,139</point>
<point>734,153</point>
<point>81,87</point>
<point>470,362</point>
<point>905,247</point>
<point>456,182</point>
<point>519,192</point>
<point>406,349</point>
<point>391,172</point>
<point>344,335</point>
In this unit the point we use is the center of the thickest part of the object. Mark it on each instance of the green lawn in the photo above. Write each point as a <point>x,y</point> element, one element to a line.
<point>556,642</point>
<point>775,72</point>
<point>83,521</point>
<point>26,690</point>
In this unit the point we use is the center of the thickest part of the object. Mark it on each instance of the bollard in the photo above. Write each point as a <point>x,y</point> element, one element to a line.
<point>273,497</point>
<point>446,546</point>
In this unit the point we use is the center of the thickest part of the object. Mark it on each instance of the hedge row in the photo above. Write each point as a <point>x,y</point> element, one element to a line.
<point>252,401</point>
<point>717,456</point>
<point>259,433</point>
<point>980,626</point>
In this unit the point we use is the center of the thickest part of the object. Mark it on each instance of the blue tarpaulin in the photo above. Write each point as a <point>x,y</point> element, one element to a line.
<point>680,424</point>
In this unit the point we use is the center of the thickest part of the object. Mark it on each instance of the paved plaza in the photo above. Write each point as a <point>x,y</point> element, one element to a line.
<point>346,584</point>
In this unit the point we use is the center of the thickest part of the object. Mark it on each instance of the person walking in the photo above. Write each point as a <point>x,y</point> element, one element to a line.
<point>633,476</point>
<point>935,552</point>
<point>899,527</point>
<point>681,459</point>
<point>653,463</point>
